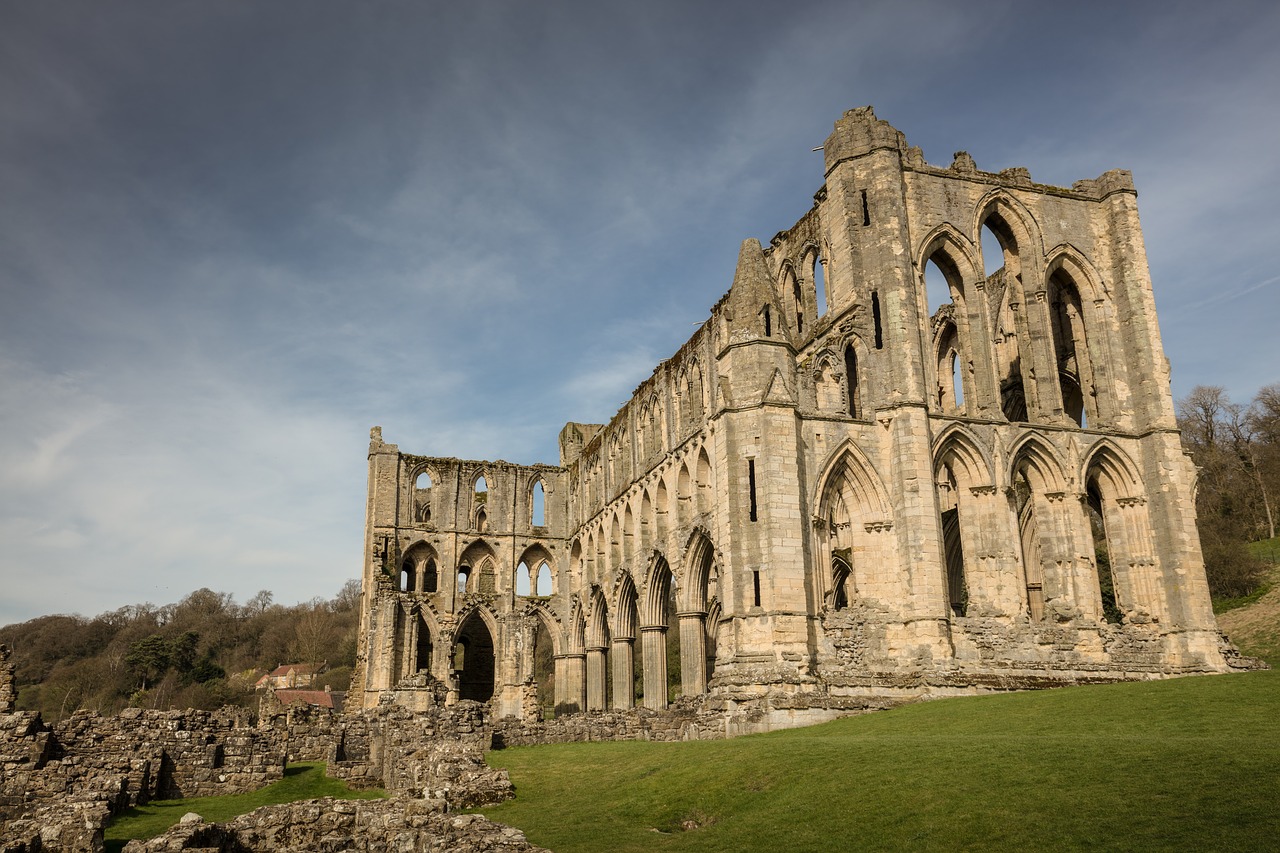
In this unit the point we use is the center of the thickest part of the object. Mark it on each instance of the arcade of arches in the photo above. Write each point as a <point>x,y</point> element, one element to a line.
<point>925,441</point>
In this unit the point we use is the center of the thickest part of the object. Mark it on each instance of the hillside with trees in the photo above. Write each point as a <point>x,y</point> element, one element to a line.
<point>203,652</point>
<point>1237,449</point>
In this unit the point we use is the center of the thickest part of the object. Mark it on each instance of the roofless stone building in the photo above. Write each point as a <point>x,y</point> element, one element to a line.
<point>835,492</point>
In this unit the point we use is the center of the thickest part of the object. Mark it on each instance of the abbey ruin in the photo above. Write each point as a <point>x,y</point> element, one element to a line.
<point>835,494</point>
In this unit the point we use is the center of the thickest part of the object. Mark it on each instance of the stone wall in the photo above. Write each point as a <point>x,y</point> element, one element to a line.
<point>59,783</point>
<point>327,824</point>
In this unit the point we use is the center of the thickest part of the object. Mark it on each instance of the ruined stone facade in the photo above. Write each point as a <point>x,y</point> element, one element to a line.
<point>835,493</point>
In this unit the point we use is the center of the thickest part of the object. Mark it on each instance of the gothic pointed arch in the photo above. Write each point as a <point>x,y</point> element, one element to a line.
<point>477,562</point>
<point>848,473</point>
<point>419,568</point>
<point>1034,455</point>
<point>660,582</point>
<point>699,570</point>
<point>625,613</point>
<point>422,480</point>
<point>597,628</point>
<point>1066,257</point>
<point>1107,462</point>
<point>576,635</point>
<point>535,556</point>
<point>958,445</point>
<point>1012,223</point>
<point>474,661</point>
<point>955,254</point>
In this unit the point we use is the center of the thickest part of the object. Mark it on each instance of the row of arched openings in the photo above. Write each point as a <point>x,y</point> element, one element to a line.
<point>959,331</point>
<point>423,505</point>
<point>419,573</point>
<point>468,661</point>
<point>642,648</point>
<point>632,530</point>
<point>976,518</point>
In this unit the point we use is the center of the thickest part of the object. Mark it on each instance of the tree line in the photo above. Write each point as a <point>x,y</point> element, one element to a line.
<point>206,651</point>
<point>1237,449</point>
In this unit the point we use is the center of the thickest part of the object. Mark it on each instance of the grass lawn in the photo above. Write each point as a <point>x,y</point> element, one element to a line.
<point>302,781</point>
<point>1186,764</point>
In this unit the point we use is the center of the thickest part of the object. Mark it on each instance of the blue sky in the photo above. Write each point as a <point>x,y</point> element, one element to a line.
<point>235,235</point>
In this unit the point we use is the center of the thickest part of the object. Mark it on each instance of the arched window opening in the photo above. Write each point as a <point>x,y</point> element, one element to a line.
<point>544,585</point>
<point>1013,401</point>
<point>1071,352</point>
<point>615,543</point>
<point>957,587</point>
<point>684,495</point>
<point>993,254</point>
<point>1111,611</point>
<point>482,521</point>
<point>841,576</point>
<point>798,296</point>
<point>851,378</point>
<point>937,290</point>
<point>522,578</point>
<point>538,503</point>
<point>475,669</point>
<point>820,284</point>
<point>660,507</point>
<point>629,532</point>
<point>406,575</point>
<point>485,577</point>
<point>1028,533</point>
<point>430,578</point>
<point>464,577</point>
<point>827,387</point>
<point>704,482</point>
<point>952,549</point>
<point>544,670</point>
<point>422,662</point>
<point>768,321</point>
<point>949,393</point>
<point>422,497</point>
<point>481,490</point>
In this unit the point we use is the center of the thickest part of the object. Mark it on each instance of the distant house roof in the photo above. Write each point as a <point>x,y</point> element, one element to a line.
<point>319,698</point>
<point>290,674</point>
<point>299,669</point>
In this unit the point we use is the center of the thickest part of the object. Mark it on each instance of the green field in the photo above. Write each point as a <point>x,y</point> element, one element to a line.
<point>1186,764</point>
<point>302,781</point>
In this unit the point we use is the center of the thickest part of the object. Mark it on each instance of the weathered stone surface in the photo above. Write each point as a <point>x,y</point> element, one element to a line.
<point>367,826</point>
<point>837,489</point>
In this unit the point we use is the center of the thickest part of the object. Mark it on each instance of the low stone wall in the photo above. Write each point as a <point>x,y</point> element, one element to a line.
<point>59,784</point>
<point>364,826</point>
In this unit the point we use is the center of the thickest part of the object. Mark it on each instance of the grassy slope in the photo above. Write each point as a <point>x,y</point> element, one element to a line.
<point>1185,764</point>
<point>1254,624</point>
<point>302,781</point>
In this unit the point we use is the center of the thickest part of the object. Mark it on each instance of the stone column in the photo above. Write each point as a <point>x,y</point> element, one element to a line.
<point>571,683</point>
<point>654,647</point>
<point>624,687</point>
<point>693,653</point>
<point>596,671</point>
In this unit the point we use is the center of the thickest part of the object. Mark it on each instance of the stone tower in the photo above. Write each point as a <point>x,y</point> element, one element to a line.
<point>835,492</point>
